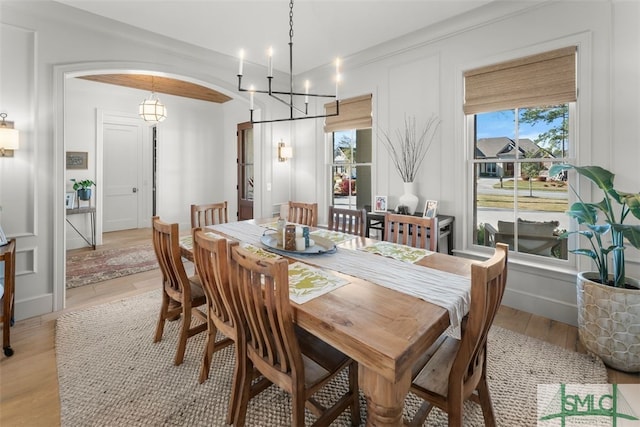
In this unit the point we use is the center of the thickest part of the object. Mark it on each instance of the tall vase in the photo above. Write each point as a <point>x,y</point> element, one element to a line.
<point>409,198</point>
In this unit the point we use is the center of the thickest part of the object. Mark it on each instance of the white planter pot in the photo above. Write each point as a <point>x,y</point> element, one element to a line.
<point>609,321</point>
<point>409,198</point>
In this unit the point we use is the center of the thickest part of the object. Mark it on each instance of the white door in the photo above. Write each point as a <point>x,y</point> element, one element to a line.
<point>122,179</point>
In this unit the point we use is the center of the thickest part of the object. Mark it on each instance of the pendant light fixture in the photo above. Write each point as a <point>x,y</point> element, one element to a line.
<point>302,111</point>
<point>151,109</point>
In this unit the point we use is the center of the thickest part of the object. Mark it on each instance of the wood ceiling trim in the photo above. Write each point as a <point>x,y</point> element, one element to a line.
<point>161,85</point>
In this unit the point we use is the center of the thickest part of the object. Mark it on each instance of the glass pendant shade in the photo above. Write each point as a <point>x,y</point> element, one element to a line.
<point>152,110</point>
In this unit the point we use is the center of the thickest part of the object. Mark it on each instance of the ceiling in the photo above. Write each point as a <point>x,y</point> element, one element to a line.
<point>323,29</point>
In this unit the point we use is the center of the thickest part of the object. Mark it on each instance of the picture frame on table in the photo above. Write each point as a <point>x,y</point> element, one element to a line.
<point>380,204</point>
<point>70,200</point>
<point>430,209</point>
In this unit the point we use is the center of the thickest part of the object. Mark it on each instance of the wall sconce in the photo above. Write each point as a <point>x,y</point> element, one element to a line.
<point>284,152</point>
<point>8,137</point>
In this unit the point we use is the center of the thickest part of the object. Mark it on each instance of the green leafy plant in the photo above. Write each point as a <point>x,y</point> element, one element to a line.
<point>85,184</point>
<point>587,214</point>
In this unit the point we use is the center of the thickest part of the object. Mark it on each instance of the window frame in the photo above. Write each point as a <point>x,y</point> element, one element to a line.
<point>580,114</point>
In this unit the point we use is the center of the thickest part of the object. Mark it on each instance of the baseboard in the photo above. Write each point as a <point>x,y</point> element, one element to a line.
<point>34,306</point>
<point>553,309</point>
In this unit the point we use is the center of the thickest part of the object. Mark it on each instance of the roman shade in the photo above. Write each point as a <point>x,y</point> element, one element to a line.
<point>355,113</point>
<point>544,79</point>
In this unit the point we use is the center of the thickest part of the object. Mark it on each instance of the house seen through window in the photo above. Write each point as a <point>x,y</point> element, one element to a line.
<point>515,199</point>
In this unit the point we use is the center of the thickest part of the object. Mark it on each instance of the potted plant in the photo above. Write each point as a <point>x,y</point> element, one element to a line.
<point>83,188</point>
<point>608,300</point>
<point>408,153</point>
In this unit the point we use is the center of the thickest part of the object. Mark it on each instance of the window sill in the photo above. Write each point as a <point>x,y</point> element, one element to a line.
<point>564,273</point>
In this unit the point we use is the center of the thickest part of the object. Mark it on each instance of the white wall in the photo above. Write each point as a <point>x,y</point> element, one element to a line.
<point>419,74</point>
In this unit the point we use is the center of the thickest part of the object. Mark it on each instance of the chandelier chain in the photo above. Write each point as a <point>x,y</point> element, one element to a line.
<point>291,21</point>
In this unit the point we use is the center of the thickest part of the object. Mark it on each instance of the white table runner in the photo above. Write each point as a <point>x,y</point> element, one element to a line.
<point>447,290</point>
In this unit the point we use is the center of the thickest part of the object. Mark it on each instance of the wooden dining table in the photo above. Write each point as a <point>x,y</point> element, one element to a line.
<point>384,330</point>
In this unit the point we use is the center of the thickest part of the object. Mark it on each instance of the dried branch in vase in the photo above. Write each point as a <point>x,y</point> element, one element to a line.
<point>410,149</point>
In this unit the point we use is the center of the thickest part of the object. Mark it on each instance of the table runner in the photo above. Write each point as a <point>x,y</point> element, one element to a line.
<point>447,290</point>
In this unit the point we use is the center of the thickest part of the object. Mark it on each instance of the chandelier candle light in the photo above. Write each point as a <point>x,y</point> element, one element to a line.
<point>303,111</point>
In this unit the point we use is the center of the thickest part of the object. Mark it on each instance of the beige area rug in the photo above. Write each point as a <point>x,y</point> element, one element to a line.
<point>86,268</point>
<point>112,374</point>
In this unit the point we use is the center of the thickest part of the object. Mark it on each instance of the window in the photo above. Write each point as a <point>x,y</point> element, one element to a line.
<point>518,113</point>
<point>351,168</point>
<point>351,152</point>
<point>515,200</point>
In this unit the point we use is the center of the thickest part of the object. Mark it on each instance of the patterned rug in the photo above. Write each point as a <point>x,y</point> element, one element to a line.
<point>112,374</point>
<point>90,267</point>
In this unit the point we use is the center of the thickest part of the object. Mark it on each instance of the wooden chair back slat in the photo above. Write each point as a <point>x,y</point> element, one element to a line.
<point>411,231</point>
<point>303,213</point>
<point>209,214</point>
<point>210,256</point>
<point>349,221</point>
<point>263,290</point>
<point>166,244</point>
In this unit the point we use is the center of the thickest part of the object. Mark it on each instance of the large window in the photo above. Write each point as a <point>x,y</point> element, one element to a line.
<point>351,168</point>
<point>519,121</point>
<point>515,200</point>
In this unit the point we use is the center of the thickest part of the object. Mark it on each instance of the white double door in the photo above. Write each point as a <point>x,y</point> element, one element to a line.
<point>126,160</point>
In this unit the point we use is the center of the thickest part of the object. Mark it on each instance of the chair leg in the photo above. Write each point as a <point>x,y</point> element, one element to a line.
<point>164,307</point>
<point>184,333</point>
<point>454,411</point>
<point>485,403</point>
<point>297,406</point>
<point>244,393</point>
<point>236,387</point>
<point>353,388</point>
<point>209,349</point>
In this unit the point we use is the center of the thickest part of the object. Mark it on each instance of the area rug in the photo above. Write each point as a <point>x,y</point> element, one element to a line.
<point>112,374</point>
<point>90,267</point>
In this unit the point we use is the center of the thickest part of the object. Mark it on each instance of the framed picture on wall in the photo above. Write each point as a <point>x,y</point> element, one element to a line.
<point>77,160</point>
<point>430,208</point>
<point>380,204</point>
<point>70,200</point>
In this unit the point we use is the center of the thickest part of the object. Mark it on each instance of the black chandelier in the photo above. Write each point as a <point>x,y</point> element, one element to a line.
<point>291,94</point>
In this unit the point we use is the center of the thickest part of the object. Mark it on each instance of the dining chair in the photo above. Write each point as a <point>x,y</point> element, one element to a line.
<point>411,230</point>
<point>303,213</point>
<point>212,264</point>
<point>349,221</point>
<point>287,355</point>
<point>452,370</point>
<point>181,295</point>
<point>209,214</point>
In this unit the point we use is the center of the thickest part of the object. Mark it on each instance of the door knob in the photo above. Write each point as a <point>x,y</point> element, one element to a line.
<point>135,190</point>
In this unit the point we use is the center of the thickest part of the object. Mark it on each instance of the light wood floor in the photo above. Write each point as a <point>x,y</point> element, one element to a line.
<point>29,379</point>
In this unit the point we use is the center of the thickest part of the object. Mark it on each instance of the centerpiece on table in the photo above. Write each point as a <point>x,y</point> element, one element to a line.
<point>608,300</point>
<point>408,152</point>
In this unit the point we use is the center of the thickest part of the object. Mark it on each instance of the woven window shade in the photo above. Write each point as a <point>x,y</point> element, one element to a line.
<point>355,113</point>
<point>539,80</point>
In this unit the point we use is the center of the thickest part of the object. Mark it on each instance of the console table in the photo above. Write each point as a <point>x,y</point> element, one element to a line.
<point>92,215</point>
<point>8,255</point>
<point>375,221</point>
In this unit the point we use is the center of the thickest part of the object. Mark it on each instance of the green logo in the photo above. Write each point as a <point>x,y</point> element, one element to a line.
<point>585,403</point>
